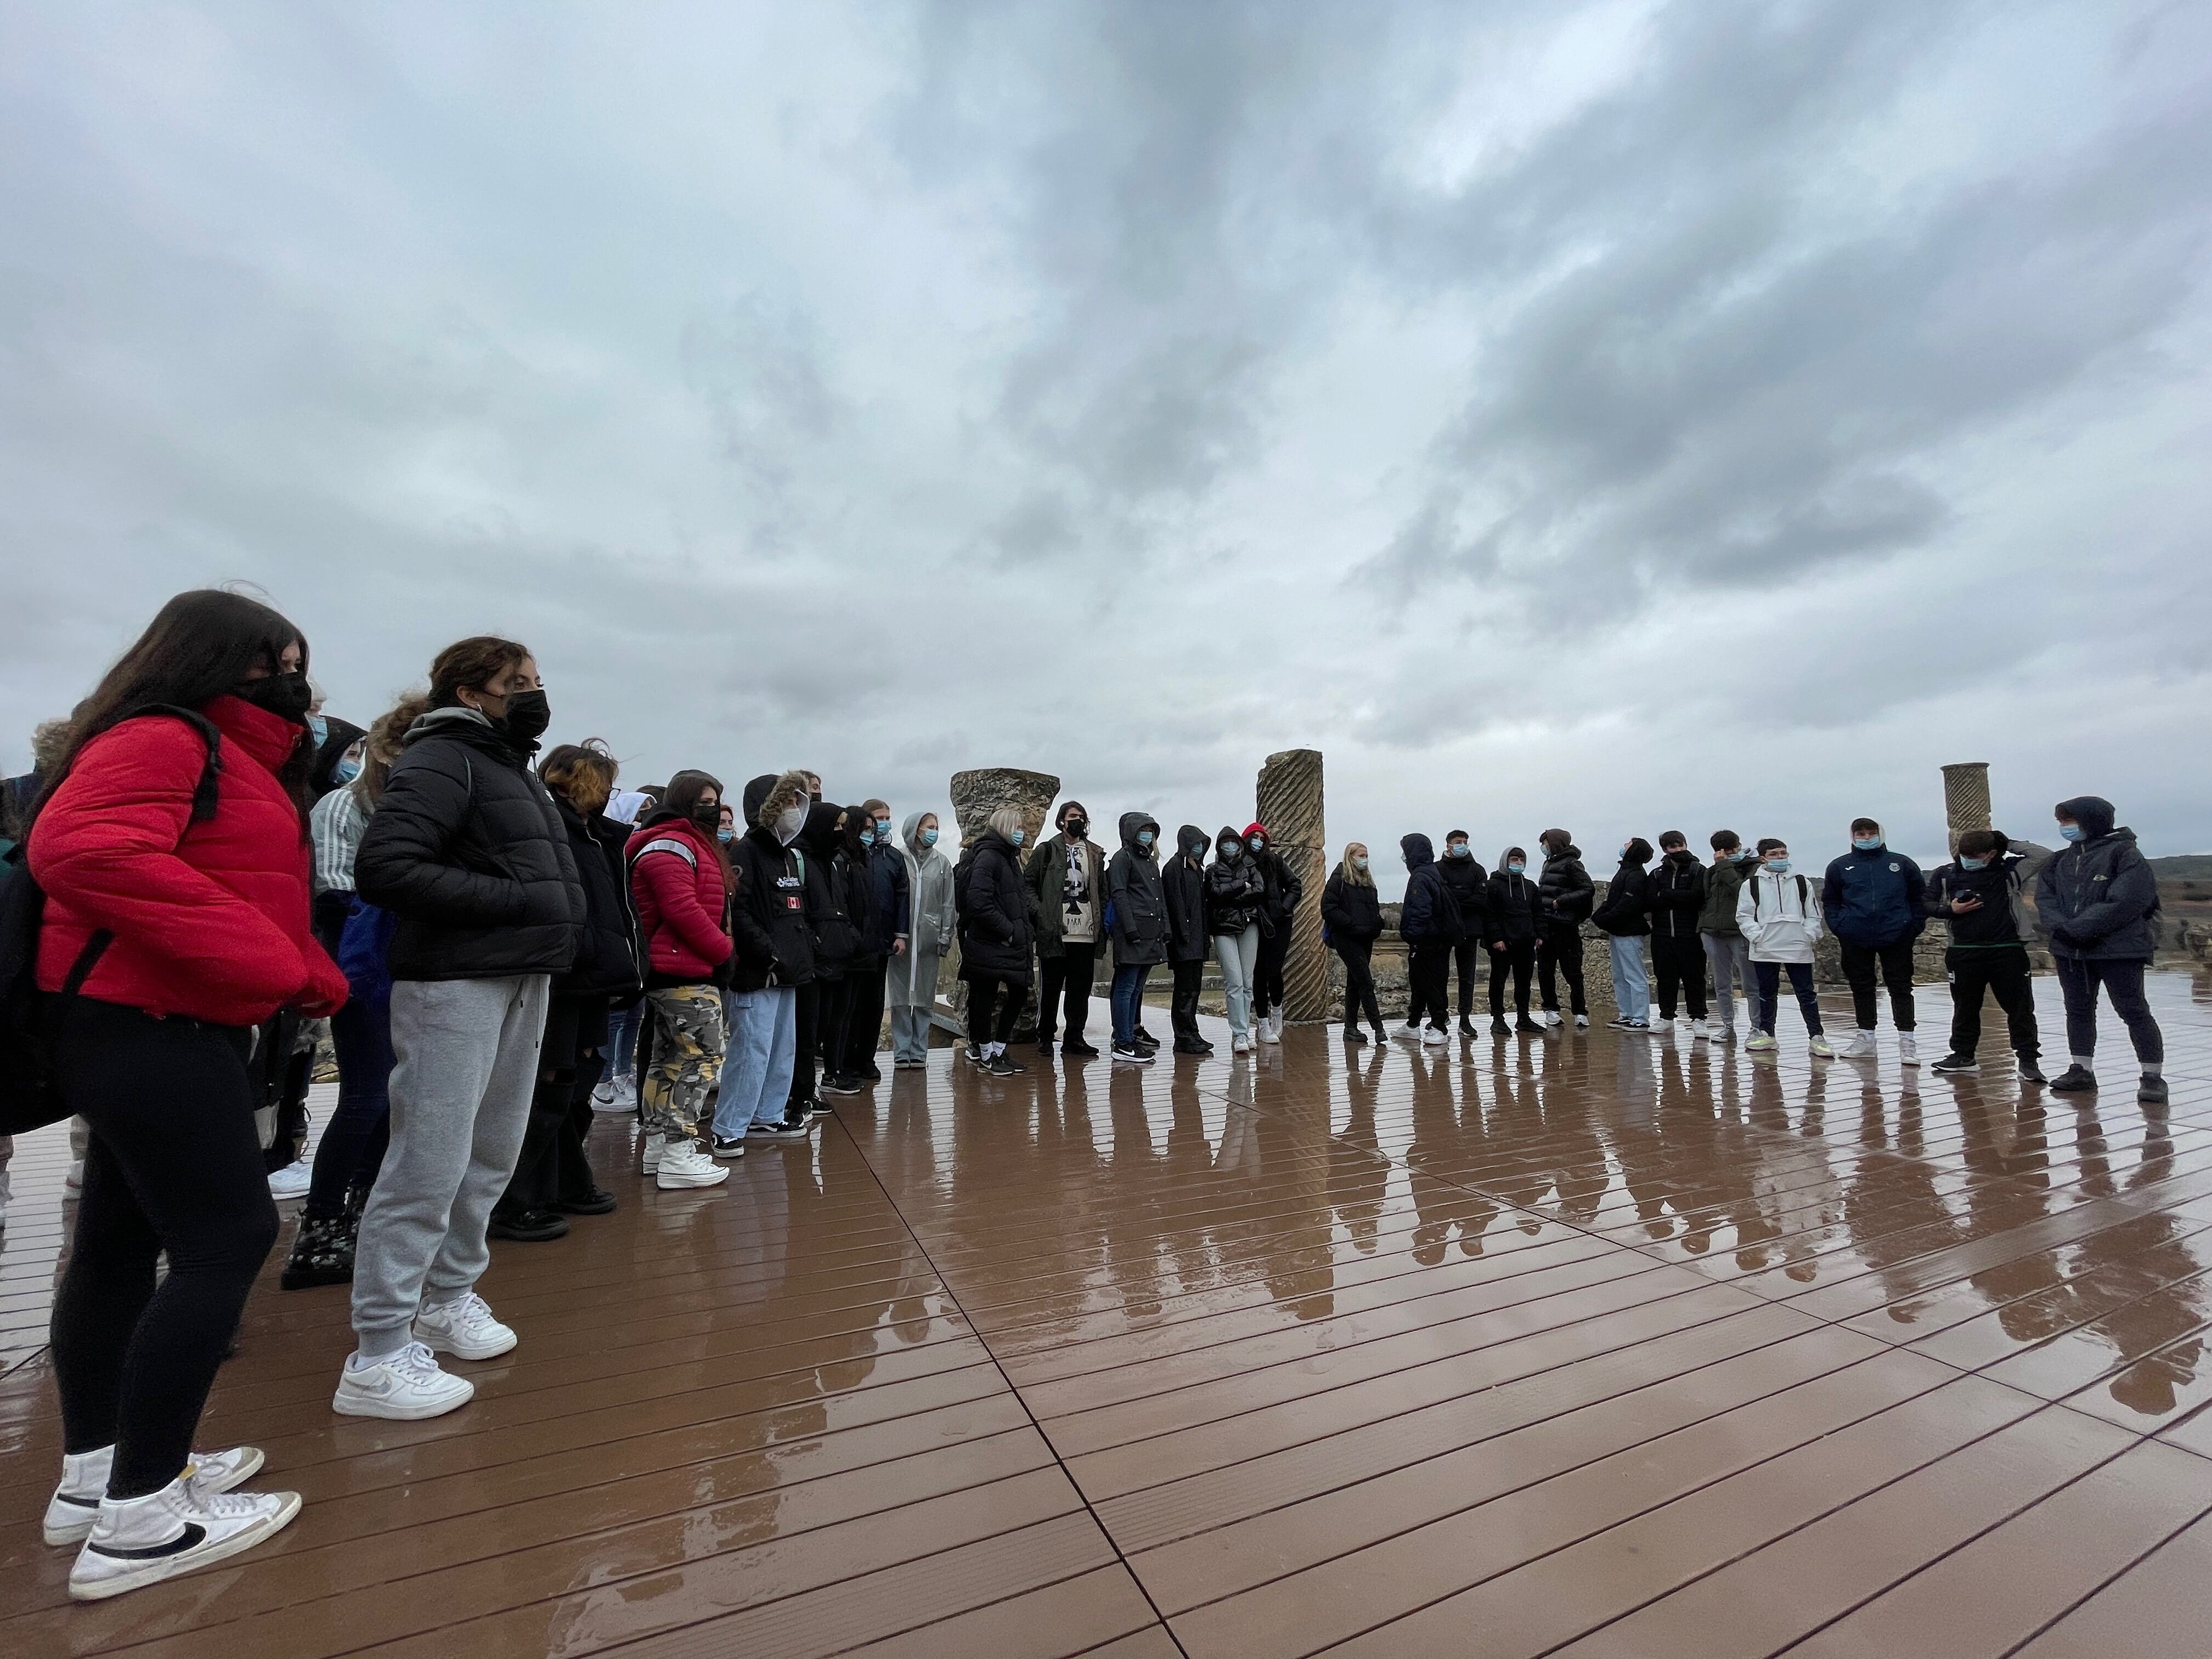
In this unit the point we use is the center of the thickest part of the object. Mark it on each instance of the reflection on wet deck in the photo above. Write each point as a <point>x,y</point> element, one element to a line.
<point>1529,1345</point>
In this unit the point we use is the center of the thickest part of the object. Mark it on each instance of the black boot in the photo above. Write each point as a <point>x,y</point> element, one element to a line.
<point>322,1254</point>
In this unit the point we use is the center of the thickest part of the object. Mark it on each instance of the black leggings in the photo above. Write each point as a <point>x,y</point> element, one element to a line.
<point>173,1164</point>
<point>1268,970</point>
<point>552,1167</point>
<point>352,1148</point>
<point>984,991</point>
<point>1519,959</point>
<point>1358,955</point>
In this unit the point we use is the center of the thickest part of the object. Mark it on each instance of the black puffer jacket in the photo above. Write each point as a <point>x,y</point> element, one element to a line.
<point>829,893</point>
<point>1468,884</point>
<point>1564,892</point>
<point>1678,894</point>
<point>769,921</point>
<point>1625,913</point>
<point>1511,906</point>
<point>608,958</point>
<point>2097,898</point>
<point>1136,896</point>
<point>1182,880</point>
<point>1285,890</point>
<point>994,911</point>
<point>467,849</point>
<point>1351,911</point>
<point>1236,887</point>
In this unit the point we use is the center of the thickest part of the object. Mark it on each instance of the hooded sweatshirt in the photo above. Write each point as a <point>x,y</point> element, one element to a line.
<point>1182,883</point>
<point>1429,915</point>
<point>1136,898</point>
<point>1780,915</point>
<point>1512,909</point>
<point>2097,897</point>
<point>838,946</point>
<point>912,983</point>
<point>1678,894</point>
<point>1628,896</point>
<point>1723,882</point>
<point>768,922</point>
<point>1236,885</point>
<point>1285,890</point>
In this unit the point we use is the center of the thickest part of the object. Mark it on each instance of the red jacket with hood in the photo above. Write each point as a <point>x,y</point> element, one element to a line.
<point>210,919</point>
<point>681,904</point>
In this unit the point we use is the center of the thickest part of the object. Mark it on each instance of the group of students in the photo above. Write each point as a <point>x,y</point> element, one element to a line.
<point>1747,918</point>
<point>502,944</point>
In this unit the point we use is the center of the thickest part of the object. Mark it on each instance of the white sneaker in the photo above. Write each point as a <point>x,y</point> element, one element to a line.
<point>609,1098</point>
<point>1684,1023</point>
<point>74,1505</point>
<point>1822,1049</point>
<point>654,1146</point>
<point>1908,1052</point>
<point>1435,1035</point>
<point>406,1386</point>
<point>1271,1029</point>
<point>1240,1045</point>
<point>1582,1022</point>
<point>138,1541</point>
<point>465,1328</point>
<point>687,1164</point>
<point>292,1181</point>
<point>1859,1045</point>
<point>1760,1041</point>
<point>1707,1030</point>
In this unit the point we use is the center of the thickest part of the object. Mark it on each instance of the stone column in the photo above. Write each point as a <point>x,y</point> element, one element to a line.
<point>1965,799</point>
<point>975,796</point>
<point>1289,805</point>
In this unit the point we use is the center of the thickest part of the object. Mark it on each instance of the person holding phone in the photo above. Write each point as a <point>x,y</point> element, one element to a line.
<point>1982,894</point>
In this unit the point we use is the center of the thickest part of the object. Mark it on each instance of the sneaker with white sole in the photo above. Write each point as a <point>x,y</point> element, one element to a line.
<point>75,1502</point>
<point>406,1387</point>
<point>1582,1022</point>
<point>687,1164</point>
<point>1859,1045</point>
<point>1433,1035</point>
<point>1957,1065</point>
<point>1908,1051</point>
<point>1821,1049</point>
<point>292,1181</point>
<point>136,1541</point>
<point>654,1146</point>
<point>1240,1045</point>
<point>465,1328</point>
<point>1760,1042</point>
<point>1131,1057</point>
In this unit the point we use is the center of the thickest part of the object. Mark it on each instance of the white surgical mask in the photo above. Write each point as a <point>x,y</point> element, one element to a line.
<point>789,823</point>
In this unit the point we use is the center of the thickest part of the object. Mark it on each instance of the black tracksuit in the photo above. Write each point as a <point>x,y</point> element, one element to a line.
<point>1986,954</point>
<point>1468,884</point>
<point>1677,887</point>
<point>1511,923</point>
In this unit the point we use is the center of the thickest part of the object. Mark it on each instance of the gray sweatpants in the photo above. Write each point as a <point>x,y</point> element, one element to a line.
<point>1730,956</point>
<point>465,1067</point>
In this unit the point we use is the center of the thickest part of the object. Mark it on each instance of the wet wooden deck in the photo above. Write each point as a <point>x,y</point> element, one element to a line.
<point>1570,1344</point>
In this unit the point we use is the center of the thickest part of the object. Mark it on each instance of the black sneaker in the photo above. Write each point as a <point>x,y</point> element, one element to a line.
<point>816,1107</point>
<point>1956,1066</point>
<point>528,1226</point>
<point>2075,1080</point>
<point>727,1147</point>
<point>1524,1024</point>
<point>1497,1025</point>
<point>1044,1044</point>
<point>759,1133</point>
<point>1145,1039</point>
<point>1077,1047</point>
<point>1131,1057</point>
<point>594,1200</point>
<point>974,1051</point>
<point>871,1072</point>
<point>1004,1065</point>
<point>1190,1045</point>
<point>1466,1025</point>
<point>2151,1090</point>
<point>2029,1071</point>
<point>1353,1034</point>
<point>840,1085</point>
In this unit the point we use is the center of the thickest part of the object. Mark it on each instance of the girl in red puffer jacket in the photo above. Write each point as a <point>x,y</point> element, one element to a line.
<point>681,882</point>
<point>172,848</point>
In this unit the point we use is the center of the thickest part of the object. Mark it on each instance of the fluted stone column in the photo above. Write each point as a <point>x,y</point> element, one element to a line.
<point>975,796</point>
<point>1965,799</point>
<point>1289,805</point>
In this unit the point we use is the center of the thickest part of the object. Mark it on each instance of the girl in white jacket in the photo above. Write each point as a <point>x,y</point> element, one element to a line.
<point>1780,915</point>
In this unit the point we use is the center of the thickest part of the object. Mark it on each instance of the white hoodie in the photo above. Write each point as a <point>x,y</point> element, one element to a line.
<point>1780,915</point>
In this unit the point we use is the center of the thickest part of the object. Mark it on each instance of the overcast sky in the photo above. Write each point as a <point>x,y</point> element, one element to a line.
<point>1622,416</point>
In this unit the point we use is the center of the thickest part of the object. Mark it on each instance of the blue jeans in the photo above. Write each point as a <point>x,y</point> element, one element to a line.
<point>1770,993</point>
<point>910,1033</point>
<point>1239,955</point>
<point>763,1048</point>
<point>1632,987</point>
<point>1128,1001</point>
<point>622,1043</point>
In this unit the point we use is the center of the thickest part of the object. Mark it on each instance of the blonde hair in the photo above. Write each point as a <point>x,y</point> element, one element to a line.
<point>381,746</point>
<point>1008,820</point>
<point>1353,873</point>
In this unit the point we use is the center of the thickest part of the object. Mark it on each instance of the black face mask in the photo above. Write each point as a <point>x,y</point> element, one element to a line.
<point>708,819</point>
<point>527,716</point>
<point>1078,829</point>
<point>286,695</point>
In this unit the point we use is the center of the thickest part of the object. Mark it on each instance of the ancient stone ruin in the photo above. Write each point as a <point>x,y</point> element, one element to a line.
<point>1289,802</point>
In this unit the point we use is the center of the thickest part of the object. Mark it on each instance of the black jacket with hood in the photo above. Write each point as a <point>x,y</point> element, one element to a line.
<point>1468,884</point>
<point>2002,917</point>
<point>1677,888</point>
<point>1285,890</point>
<point>994,912</point>
<point>1182,886</point>
<point>1565,891</point>
<point>1137,896</point>
<point>1512,906</point>
<point>1430,915</point>
<point>1236,887</point>
<point>829,894</point>
<point>770,924</point>
<point>1350,911</point>
<point>2097,897</point>
<point>610,955</point>
<point>1628,896</point>
<point>467,849</point>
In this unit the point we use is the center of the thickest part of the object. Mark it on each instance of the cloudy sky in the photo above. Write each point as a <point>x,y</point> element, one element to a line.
<point>1623,416</point>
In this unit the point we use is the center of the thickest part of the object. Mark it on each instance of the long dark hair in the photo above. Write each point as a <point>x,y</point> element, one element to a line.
<point>199,645</point>
<point>684,792</point>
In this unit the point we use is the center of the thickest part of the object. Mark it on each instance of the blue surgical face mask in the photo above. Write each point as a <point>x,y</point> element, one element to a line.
<point>1143,838</point>
<point>867,837</point>
<point>1456,849</point>
<point>1965,863</point>
<point>1020,836</point>
<point>1868,843</point>
<point>1359,863</point>
<point>929,837</point>
<point>2070,831</point>
<point>349,769</point>
<point>1779,865</point>
<point>321,727</point>
<point>1516,866</point>
<point>1257,842</point>
<point>1740,856</point>
<point>725,837</point>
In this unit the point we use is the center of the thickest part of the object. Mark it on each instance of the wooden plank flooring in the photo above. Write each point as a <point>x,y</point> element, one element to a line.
<point>1570,1344</point>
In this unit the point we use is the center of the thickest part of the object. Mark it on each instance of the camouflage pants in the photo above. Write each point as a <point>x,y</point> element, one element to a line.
<point>676,1091</point>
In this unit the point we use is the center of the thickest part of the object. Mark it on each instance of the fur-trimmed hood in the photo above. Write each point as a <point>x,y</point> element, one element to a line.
<point>767,798</point>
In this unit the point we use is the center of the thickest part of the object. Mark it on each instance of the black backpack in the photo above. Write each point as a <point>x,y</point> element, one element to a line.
<point>30,1093</point>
